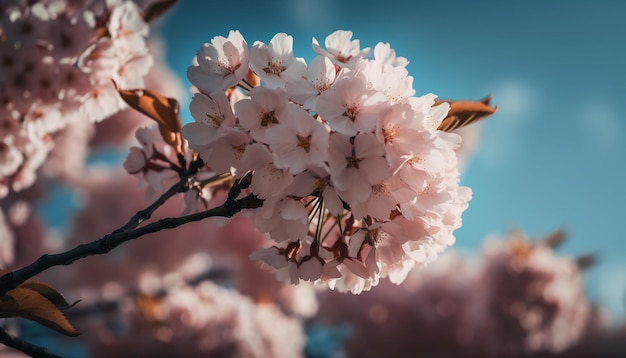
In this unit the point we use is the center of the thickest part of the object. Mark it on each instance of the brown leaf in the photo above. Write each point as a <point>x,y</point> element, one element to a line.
<point>30,304</point>
<point>463,113</point>
<point>174,139</point>
<point>49,292</point>
<point>157,9</point>
<point>162,109</point>
<point>586,261</point>
<point>555,239</point>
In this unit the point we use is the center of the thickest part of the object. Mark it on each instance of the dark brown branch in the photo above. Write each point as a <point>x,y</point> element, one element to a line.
<point>146,213</point>
<point>107,243</point>
<point>23,346</point>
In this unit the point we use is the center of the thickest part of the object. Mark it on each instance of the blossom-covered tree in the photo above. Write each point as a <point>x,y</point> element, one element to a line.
<point>294,180</point>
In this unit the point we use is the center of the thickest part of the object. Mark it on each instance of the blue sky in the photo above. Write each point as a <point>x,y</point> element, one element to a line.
<point>552,157</point>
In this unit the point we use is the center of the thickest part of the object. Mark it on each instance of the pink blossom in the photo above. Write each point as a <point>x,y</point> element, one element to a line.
<point>384,53</point>
<point>283,218</point>
<point>135,161</point>
<point>532,295</point>
<point>213,115</point>
<point>224,154</point>
<point>43,119</point>
<point>382,200</point>
<point>268,179</point>
<point>320,76</point>
<point>401,129</point>
<point>341,49</point>
<point>133,63</point>
<point>10,159</point>
<point>249,277</point>
<point>317,180</point>
<point>350,106</point>
<point>275,63</point>
<point>196,199</point>
<point>394,82</point>
<point>264,109</point>
<point>282,260</point>
<point>99,59</point>
<point>299,141</point>
<point>100,102</point>
<point>220,64</point>
<point>311,268</point>
<point>206,320</point>
<point>213,110</point>
<point>354,168</point>
<point>156,161</point>
<point>126,23</point>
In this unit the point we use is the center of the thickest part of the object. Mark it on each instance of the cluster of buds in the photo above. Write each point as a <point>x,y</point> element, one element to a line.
<point>358,180</point>
<point>57,65</point>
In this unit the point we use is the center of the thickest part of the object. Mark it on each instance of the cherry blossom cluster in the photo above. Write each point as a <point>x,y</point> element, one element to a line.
<point>205,320</point>
<point>356,180</point>
<point>520,298</point>
<point>537,299</point>
<point>60,63</point>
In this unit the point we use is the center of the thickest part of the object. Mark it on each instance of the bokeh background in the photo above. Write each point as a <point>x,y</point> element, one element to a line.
<point>553,155</point>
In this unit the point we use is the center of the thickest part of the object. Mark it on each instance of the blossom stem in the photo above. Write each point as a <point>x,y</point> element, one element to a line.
<point>310,202</point>
<point>341,233</point>
<point>250,86</point>
<point>160,156</point>
<point>330,229</point>
<point>316,207</point>
<point>215,179</point>
<point>318,229</point>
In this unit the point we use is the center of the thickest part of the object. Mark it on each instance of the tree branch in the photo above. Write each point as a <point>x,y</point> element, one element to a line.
<point>23,346</point>
<point>146,213</point>
<point>107,243</point>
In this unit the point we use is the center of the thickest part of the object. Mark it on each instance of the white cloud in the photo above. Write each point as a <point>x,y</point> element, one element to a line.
<point>600,123</point>
<point>501,136</point>
<point>312,15</point>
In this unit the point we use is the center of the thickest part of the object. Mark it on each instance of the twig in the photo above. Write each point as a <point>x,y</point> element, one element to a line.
<point>23,346</point>
<point>145,214</point>
<point>107,243</point>
<point>180,186</point>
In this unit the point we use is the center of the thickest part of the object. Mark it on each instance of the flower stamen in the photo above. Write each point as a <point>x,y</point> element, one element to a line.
<point>304,142</point>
